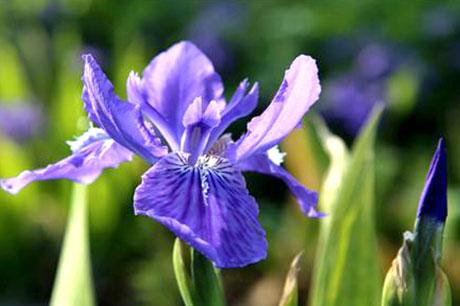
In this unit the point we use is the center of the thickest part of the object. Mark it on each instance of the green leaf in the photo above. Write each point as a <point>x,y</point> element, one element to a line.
<point>346,271</point>
<point>416,279</point>
<point>200,284</point>
<point>73,285</point>
<point>182,275</point>
<point>339,157</point>
<point>290,292</point>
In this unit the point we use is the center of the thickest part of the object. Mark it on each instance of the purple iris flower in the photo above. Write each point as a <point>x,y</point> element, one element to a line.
<point>174,119</point>
<point>351,96</point>
<point>433,201</point>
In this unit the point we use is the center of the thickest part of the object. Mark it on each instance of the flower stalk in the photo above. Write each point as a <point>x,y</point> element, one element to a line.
<point>198,280</point>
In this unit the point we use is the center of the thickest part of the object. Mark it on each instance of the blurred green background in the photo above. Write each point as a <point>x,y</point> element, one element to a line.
<point>405,54</point>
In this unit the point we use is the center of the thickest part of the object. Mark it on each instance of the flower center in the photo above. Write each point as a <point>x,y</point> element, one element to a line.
<point>199,121</point>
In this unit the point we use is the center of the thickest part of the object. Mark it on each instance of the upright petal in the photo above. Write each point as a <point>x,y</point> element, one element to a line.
<point>92,152</point>
<point>299,90</point>
<point>123,121</point>
<point>241,104</point>
<point>175,78</point>
<point>307,199</point>
<point>134,88</point>
<point>206,205</point>
<point>137,95</point>
<point>433,201</point>
<point>199,122</point>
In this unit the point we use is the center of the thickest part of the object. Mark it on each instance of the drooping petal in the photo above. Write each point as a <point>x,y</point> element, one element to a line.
<point>433,201</point>
<point>92,152</point>
<point>241,104</point>
<point>123,121</point>
<point>299,90</point>
<point>307,199</point>
<point>175,78</point>
<point>206,205</point>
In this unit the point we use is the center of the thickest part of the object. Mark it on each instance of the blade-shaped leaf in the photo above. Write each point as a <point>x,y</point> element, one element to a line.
<point>346,271</point>
<point>73,285</point>
<point>290,291</point>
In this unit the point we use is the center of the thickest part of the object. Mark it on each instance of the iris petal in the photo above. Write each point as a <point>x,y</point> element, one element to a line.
<point>207,206</point>
<point>174,79</point>
<point>90,157</point>
<point>198,123</point>
<point>123,121</point>
<point>307,199</point>
<point>136,94</point>
<point>299,90</point>
<point>240,105</point>
<point>134,88</point>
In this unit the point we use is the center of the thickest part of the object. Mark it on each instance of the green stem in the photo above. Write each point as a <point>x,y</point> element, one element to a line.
<point>206,280</point>
<point>199,283</point>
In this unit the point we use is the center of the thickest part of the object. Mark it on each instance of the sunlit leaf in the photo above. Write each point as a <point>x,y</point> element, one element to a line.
<point>290,291</point>
<point>73,285</point>
<point>346,271</point>
<point>301,159</point>
<point>339,157</point>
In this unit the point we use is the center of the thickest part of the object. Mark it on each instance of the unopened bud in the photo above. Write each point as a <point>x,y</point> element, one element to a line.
<point>415,277</point>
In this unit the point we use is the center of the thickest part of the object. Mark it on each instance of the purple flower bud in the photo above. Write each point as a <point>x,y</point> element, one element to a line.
<point>433,201</point>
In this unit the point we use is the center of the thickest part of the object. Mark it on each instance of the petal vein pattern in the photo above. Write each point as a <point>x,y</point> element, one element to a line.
<point>299,90</point>
<point>206,205</point>
<point>123,121</point>
<point>174,79</point>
